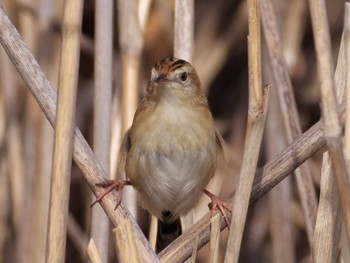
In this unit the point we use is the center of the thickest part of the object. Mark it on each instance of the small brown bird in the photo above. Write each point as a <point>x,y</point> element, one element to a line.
<point>171,151</point>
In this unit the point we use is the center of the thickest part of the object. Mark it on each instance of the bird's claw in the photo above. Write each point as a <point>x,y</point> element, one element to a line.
<point>112,185</point>
<point>217,203</point>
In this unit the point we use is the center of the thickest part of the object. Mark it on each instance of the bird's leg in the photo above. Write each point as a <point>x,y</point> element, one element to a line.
<point>112,185</point>
<point>215,203</point>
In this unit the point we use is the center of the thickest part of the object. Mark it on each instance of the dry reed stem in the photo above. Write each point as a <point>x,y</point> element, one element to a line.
<point>280,198</point>
<point>325,246</point>
<point>125,243</point>
<point>265,179</point>
<point>184,30</point>
<point>143,12</point>
<point>331,127</point>
<point>130,41</point>
<point>65,119</point>
<point>214,239</point>
<point>103,66</point>
<point>347,79</point>
<point>92,252</point>
<point>255,129</point>
<point>153,228</point>
<point>83,156</point>
<point>257,110</point>
<point>289,111</point>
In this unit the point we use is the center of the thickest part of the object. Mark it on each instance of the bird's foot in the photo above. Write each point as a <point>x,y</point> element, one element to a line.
<point>217,203</point>
<point>111,185</point>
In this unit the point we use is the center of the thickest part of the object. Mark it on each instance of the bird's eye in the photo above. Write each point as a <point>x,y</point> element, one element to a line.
<point>183,76</point>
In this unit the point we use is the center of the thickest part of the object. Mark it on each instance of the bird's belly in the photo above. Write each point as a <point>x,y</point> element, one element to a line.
<point>172,180</point>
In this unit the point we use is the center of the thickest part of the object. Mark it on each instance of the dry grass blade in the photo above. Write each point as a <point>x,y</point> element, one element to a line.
<point>332,128</point>
<point>102,111</point>
<point>61,170</point>
<point>289,111</point>
<point>83,156</point>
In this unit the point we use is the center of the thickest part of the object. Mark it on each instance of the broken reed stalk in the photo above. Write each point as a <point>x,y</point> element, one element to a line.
<point>65,119</point>
<point>102,111</point>
<point>130,42</point>
<point>257,110</point>
<point>331,127</point>
<point>83,156</point>
<point>289,111</point>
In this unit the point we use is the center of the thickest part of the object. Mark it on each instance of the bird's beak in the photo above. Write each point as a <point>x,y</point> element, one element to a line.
<point>162,79</point>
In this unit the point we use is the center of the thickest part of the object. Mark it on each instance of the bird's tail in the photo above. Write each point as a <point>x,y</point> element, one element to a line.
<point>169,228</point>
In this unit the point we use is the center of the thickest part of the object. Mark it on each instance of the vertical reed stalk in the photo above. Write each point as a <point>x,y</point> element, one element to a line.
<point>102,111</point>
<point>65,119</point>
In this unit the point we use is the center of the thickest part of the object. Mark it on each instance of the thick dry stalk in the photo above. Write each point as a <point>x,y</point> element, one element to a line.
<point>125,243</point>
<point>92,252</point>
<point>83,156</point>
<point>255,127</point>
<point>102,111</point>
<point>347,69</point>
<point>289,112</point>
<point>265,179</point>
<point>130,41</point>
<point>184,30</point>
<point>331,127</point>
<point>325,245</point>
<point>65,119</point>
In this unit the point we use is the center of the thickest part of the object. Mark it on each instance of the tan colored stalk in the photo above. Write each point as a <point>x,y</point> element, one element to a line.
<point>130,42</point>
<point>184,30</point>
<point>92,252</point>
<point>280,198</point>
<point>125,243</point>
<point>265,179</point>
<point>102,112</point>
<point>325,246</point>
<point>331,127</point>
<point>65,119</point>
<point>289,111</point>
<point>347,79</point>
<point>214,239</point>
<point>83,156</point>
<point>257,110</point>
